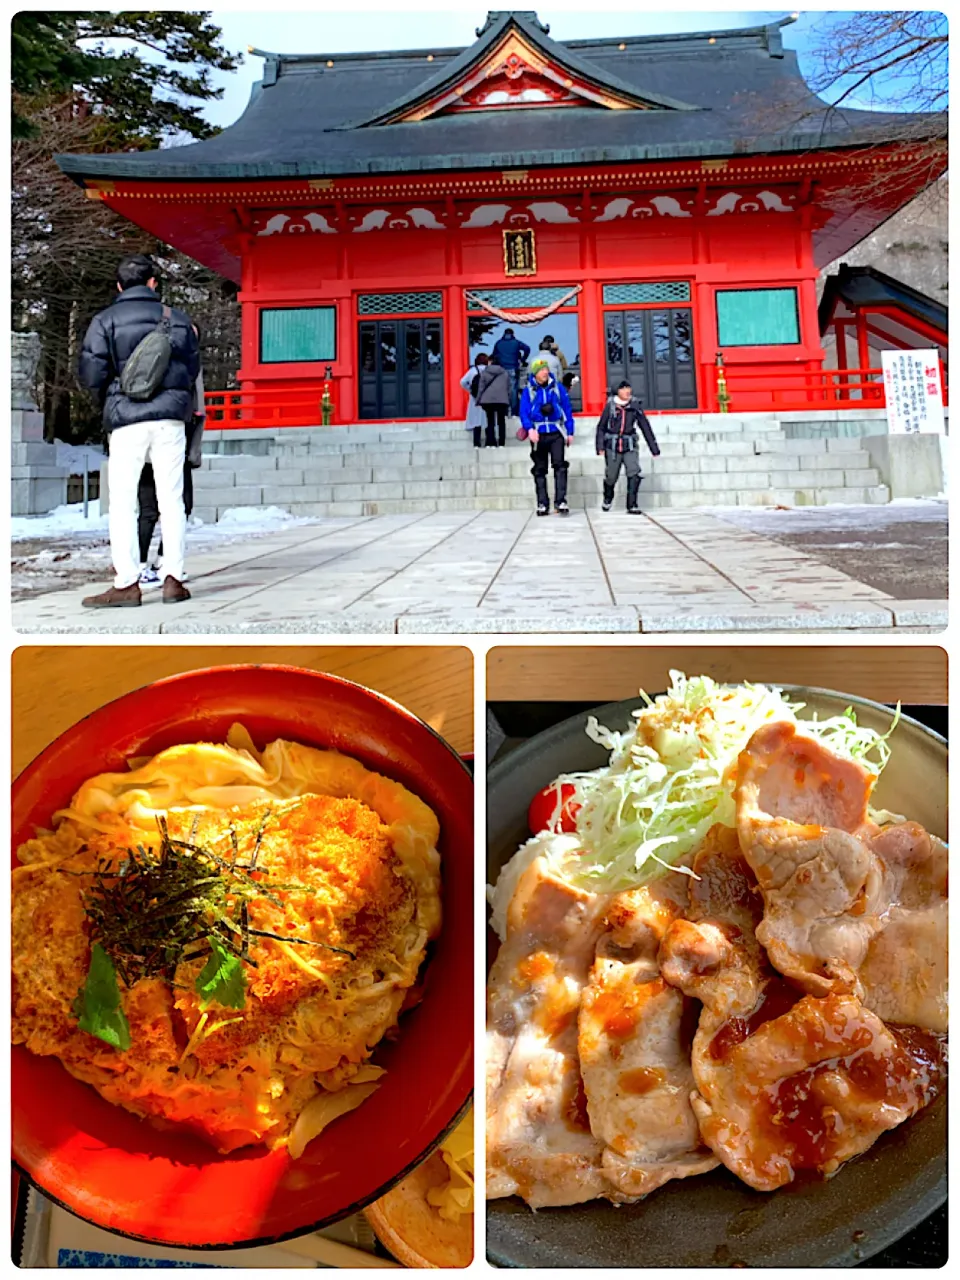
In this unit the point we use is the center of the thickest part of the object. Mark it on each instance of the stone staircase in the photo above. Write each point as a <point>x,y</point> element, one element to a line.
<point>384,469</point>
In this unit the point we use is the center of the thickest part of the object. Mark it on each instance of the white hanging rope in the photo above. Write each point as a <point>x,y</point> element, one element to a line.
<point>520,317</point>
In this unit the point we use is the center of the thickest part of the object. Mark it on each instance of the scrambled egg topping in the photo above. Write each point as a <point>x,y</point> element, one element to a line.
<point>312,1016</point>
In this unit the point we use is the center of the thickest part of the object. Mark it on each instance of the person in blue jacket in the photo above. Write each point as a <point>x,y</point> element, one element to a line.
<point>548,418</point>
<point>510,353</point>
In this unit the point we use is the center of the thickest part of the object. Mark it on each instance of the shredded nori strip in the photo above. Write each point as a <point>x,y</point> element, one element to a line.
<point>155,909</point>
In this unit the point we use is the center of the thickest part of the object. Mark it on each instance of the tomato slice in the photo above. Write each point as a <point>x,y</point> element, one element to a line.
<point>542,814</point>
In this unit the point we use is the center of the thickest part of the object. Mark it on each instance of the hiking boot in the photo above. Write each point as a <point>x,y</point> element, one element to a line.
<point>115,598</point>
<point>562,509</point>
<point>543,511</point>
<point>173,590</point>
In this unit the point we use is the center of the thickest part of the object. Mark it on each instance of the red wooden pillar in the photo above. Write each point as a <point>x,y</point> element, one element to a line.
<point>593,356</point>
<point>840,338</point>
<point>863,355</point>
<point>346,400</point>
<point>249,312</point>
<point>456,354</point>
<point>249,340</point>
<point>810,338</point>
<point>705,343</point>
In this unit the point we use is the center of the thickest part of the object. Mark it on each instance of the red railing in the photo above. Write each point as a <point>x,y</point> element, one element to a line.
<point>246,410</point>
<point>804,389</point>
<point>753,389</point>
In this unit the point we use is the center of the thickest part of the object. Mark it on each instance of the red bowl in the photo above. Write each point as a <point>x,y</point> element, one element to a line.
<point>117,1171</point>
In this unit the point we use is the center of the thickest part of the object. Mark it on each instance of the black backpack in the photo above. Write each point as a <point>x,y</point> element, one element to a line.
<point>144,372</point>
<point>475,385</point>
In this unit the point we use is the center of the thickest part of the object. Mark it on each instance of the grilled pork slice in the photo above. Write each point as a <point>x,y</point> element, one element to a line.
<point>634,1044</point>
<point>809,1088</point>
<point>848,908</point>
<point>539,1144</point>
<point>713,955</point>
<point>798,807</point>
<point>904,973</point>
<point>785,1082</point>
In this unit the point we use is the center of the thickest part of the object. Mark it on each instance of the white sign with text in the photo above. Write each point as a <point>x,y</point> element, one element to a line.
<point>911,380</point>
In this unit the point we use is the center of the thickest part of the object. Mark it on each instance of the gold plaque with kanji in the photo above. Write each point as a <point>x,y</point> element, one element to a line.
<point>520,252</point>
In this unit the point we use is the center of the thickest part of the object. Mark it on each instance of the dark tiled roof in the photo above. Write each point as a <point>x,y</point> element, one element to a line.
<point>488,36</point>
<point>868,287</point>
<point>308,119</point>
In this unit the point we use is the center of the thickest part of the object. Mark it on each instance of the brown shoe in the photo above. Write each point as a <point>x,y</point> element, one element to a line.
<point>115,598</point>
<point>173,590</point>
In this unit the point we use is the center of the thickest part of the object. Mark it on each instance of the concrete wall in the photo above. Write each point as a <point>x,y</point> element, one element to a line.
<point>913,466</point>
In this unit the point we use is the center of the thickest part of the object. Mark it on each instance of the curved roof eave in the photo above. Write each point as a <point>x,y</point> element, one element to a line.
<point>157,166</point>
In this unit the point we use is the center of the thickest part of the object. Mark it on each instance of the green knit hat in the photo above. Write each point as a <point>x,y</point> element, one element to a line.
<point>538,365</point>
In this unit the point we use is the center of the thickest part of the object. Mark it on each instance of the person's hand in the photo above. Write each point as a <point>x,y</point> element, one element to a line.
<point>599,453</point>
<point>533,435</point>
<point>569,440</point>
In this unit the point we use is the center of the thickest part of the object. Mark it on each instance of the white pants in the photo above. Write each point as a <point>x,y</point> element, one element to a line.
<point>161,443</point>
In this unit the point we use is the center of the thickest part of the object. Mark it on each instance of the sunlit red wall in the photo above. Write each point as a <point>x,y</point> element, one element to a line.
<point>726,251</point>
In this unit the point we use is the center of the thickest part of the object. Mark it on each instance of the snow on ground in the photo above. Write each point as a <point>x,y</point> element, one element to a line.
<point>65,521</point>
<point>838,517</point>
<point>62,549</point>
<point>236,522</point>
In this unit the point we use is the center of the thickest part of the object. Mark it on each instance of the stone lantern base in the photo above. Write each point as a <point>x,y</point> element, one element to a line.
<point>37,483</point>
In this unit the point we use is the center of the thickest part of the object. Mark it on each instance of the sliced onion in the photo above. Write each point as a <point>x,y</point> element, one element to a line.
<point>324,1109</point>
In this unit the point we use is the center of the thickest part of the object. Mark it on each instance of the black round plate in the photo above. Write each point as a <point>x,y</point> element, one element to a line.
<point>717,1220</point>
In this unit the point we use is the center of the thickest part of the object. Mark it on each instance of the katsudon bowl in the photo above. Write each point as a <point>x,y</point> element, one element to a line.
<point>715,1220</point>
<point>164,1185</point>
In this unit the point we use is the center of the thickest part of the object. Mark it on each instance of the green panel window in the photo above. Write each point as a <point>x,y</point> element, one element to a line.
<point>654,291</point>
<point>757,317</point>
<point>298,334</point>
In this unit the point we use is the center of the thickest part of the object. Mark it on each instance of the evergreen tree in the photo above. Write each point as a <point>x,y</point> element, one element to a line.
<point>102,82</point>
<point>100,61</point>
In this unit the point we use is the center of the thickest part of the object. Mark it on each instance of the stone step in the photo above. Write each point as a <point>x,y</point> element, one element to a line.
<point>218,455</point>
<point>508,465</point>
<point>246,469</point>
<point>649,500</point>
<point>434,490</point>
<point>666,424</point>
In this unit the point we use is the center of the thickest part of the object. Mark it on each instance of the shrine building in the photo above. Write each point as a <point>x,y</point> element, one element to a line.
<point>648,201</point>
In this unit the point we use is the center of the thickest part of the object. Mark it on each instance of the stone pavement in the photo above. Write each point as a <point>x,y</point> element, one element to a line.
<point>502,571</point>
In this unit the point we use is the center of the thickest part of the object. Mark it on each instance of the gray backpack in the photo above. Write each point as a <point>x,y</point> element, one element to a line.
<point>144,372</point>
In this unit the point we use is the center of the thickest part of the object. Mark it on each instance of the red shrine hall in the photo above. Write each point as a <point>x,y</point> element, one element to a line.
<point>648,202</point>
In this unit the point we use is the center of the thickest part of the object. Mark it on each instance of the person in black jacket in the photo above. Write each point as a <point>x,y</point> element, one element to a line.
<point>141,430</point>
<point>618,441</point>
<point>493,397</point>
<point>148,509</point>
<point>512,354</point>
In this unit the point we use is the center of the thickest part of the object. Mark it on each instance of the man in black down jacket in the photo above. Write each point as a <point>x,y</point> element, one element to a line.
<point>141,430</point>
<point>511,353</point>
<point>618,441</point>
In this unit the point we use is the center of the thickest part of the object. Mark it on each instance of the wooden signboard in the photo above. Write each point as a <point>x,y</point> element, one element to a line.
<point>520,252</point>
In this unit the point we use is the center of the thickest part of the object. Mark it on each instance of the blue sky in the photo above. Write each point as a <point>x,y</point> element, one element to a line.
<point>324,32</point>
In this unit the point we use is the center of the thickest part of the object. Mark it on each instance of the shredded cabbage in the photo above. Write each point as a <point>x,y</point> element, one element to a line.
<point>671,777</point>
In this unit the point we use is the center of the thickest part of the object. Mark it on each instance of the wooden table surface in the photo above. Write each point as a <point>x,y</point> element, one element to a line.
<point>54,686</point>
<point>606,673</point>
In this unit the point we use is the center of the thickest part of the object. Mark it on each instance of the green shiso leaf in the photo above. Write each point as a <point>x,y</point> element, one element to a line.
<point>97,1006</point>
<point>222,978</point>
